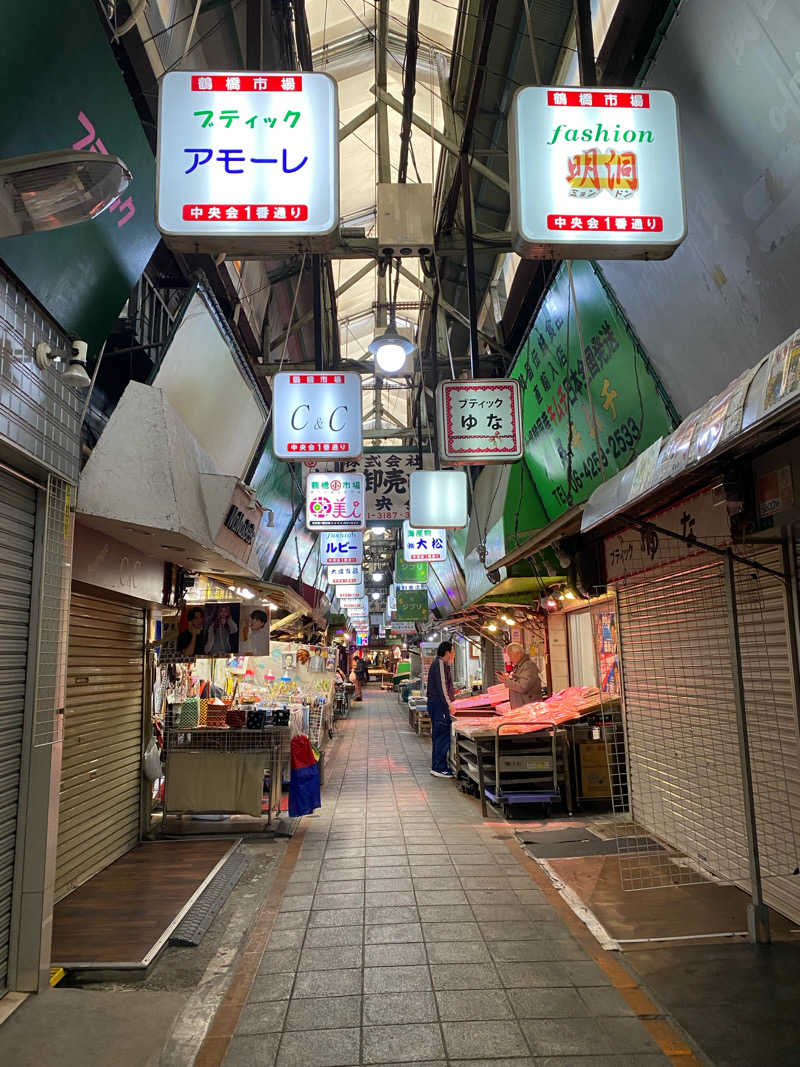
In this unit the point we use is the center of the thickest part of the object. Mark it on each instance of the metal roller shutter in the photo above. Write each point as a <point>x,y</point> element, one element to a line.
<point>683,756</point>
<point>101,764</point>
<point>17,530</point>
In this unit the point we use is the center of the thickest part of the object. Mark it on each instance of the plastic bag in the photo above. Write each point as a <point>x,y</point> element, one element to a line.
<point>152,760</point>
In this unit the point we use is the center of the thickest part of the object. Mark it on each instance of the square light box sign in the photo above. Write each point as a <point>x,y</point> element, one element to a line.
<point>595,173</point>
<point>247,162</point>
<point>342,548</point>
<point>317,416</point>
<point>423,545</point>
<point>439,499</point>
<point>480,421</point>
<point>335,502</point>
<point>347,575</point>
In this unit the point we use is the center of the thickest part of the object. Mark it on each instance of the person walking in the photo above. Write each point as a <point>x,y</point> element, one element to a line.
<point>361,675</point>
<point>524,685</point>
<point>441,695</point>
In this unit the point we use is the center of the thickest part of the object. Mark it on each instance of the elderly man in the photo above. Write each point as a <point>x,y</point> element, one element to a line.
<point>524,684</point>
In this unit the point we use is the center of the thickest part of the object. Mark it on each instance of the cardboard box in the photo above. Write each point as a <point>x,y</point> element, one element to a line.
<point>595,780</point>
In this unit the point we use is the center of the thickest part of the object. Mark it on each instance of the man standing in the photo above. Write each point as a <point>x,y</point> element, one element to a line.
<point>441,695</point>
<point>524,686</point>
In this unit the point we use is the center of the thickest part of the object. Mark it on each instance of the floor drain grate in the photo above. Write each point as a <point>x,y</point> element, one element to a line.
<point>200,916</point>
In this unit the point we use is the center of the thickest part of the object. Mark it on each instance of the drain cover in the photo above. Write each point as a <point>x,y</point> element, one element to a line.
<point>200,916</point>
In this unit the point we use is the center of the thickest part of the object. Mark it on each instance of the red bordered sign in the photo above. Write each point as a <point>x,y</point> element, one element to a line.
<point>480,421</point>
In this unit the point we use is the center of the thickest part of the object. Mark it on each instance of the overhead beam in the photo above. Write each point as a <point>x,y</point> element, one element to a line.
<point>359,120</point>
<point>308,316</point>
<point>585,42</point>
<point>368,247</point>
<point>441,139</point>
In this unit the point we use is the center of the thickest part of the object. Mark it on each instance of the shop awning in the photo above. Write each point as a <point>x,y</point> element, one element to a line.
<point>523,591</point>
<point>755,411</point>
<point>149,484</point>
<point>292,608</point>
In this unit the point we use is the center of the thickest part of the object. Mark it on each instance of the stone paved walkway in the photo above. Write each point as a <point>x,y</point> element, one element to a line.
<point>410,933</point>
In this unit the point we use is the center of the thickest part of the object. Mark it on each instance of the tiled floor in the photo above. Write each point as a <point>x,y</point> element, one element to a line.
<point>409,933</point>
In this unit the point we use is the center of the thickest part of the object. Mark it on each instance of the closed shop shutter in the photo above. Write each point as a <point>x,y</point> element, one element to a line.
<point>682,741</point>
<point>17,528</point>
<point>101,764</point>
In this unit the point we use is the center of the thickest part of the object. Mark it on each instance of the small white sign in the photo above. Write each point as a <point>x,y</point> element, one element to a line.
<point>595,173</point>
<point>439,499</point>
<point>346,574</point>
<point>317,416</point>
<point>342,548</point>
<point>422,545</point>
<point>247,161</point>
<point>335,502</point>
<point>480,421</point>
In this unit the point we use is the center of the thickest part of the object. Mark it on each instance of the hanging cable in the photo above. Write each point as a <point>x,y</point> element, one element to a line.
<point>291,314</point>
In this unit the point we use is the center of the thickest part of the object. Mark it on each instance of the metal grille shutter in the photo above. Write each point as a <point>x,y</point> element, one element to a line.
<point>683,755</point>
<point>17,529</point>
<point>101,764</point>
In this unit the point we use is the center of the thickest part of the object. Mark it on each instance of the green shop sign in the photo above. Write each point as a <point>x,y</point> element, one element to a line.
<point>412,605</point>
<point>409,572</point>
<point>575,437</point>
<point>64,89</point>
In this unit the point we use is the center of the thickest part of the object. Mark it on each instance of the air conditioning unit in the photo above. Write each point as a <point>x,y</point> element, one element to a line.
<point>405,219</point>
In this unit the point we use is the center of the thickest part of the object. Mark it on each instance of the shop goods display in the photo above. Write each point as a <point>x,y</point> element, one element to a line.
<point>565,706</point>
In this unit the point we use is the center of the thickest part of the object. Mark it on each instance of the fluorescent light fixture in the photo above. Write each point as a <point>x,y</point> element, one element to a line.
<point>377,576</point>
<point>491,627</point>
<point>376,596</point>
<point>379,531</point>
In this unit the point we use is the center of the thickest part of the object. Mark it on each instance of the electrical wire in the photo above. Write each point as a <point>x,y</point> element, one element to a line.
<point>291,314</point>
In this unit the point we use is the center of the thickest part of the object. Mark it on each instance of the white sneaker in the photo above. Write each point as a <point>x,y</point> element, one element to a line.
<point>442,774</point>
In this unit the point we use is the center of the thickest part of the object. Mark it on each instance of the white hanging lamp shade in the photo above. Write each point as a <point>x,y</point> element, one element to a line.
<point>392,351</point>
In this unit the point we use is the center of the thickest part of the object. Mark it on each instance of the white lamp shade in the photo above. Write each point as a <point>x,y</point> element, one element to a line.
<point>439,499</point>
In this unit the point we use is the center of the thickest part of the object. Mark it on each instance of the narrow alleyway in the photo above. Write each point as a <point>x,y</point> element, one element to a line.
<point>410,931</point>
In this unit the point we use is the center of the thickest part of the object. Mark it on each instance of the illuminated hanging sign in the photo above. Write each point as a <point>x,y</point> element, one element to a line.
<point>348,574</point>
<point>316,416</point>
<point>247,161</point>
<point>480,421</point>
<point>342,548</point>
<point>439,499</point>
<point>595,173</point>
<point>409,573</point>
<point>335,502</point>
<point>423,545</point>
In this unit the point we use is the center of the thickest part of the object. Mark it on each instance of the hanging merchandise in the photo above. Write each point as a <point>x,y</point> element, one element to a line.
<point>304,784</point>
<point>151,764</point>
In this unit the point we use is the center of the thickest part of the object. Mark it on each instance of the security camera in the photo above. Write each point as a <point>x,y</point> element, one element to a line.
<point>75,360</point>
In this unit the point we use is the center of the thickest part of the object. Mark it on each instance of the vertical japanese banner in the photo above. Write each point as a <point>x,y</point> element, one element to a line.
<point>576,438</point>
<point>386,476</point>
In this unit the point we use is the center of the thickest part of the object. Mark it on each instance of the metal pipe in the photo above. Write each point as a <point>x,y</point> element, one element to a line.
<point>585,41</point>
<point>757,913</point>
<point>409,86</point>
<point>316,272</point>
<point>472,296</point>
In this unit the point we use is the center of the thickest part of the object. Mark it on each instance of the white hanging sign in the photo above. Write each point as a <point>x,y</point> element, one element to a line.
<point>480,421</point>
<point>422,545</point>
<point>247,161</point>
<point>439,498</point>
<point>346,574</point>
<point>317,416</point>
<point>342,548</point>
<point>335,502</point>
<point>595,173</point>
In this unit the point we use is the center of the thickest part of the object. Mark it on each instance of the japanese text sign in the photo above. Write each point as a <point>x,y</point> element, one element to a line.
<point>317,416</point>
<point>350,574</point>
<point>423,545</point>
<point>414,573</point>
<point>386,474</point>
<point>635,551</point>
<point>247,161</point>
<point>412,605</point>
<point>439,498</point>
<point>595,173</point>
<point>480,421</point>
<point>335,502</point>
<point>344,548</point>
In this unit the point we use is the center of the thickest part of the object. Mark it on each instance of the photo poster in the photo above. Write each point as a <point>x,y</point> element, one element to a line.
<point>216,630</point>
<point>605,632</point>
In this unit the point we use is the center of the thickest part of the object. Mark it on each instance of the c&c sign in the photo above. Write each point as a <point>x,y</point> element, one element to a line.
<point>317,416</point>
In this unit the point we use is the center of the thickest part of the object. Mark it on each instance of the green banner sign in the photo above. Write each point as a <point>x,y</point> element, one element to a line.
<point>576,437</point>
<point>412,605</point>
<point>409,572</point>
<point>64,89</point>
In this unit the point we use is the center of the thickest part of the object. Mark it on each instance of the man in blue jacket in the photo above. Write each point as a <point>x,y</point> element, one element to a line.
<point>440,694</point>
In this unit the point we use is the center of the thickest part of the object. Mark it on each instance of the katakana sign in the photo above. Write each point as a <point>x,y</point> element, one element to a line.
<point>247,161</point>
<point>480,421</point>
<point>423,546</point>
<point>335,502</point>
<point>412,605</point>
<point>316,416</point>
<point>341,548</point>
<point>595,173</point>
<point>386,476</point>
<point>348,574</point>
<point>409,573</point>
